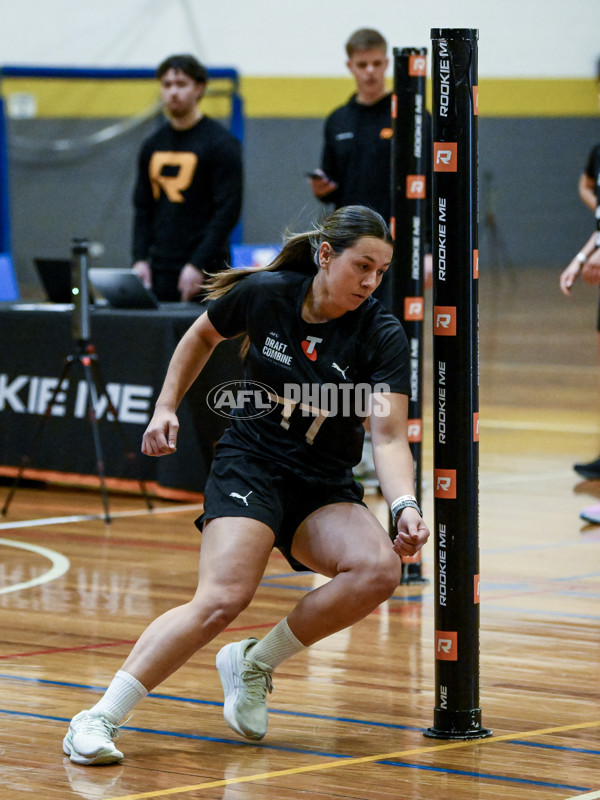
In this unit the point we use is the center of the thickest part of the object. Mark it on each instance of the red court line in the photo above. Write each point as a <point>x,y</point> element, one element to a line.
<point>67,649</point>
<point>539,587</point>
<point>118,643</point>
<point>106,539</point>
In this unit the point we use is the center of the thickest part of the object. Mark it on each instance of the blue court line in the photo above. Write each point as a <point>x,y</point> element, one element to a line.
<point>557,747</point>
<point>487,584</point>
<point>213,703</point>
<point>295,574</point>
<point>285,586</point>
<point>192,736</point>
<point>538,612</point>
<point>400,598</point>
<point>564,578</point>
<point>524,548</point>
<point>269,581</point>
<point>495,585</point>
<point>530,590</point>
<point>302,714</point>
<point>317,753</point>
<point>486,776</point>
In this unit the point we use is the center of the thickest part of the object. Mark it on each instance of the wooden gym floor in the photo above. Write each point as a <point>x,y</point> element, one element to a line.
<point>346,717</point>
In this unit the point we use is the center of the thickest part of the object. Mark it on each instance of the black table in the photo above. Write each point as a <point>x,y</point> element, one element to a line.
<point>133,351</point>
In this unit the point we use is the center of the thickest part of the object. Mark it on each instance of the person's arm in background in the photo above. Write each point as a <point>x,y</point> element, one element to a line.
<point>143,214</point>
<point>587,191</point>
<point>591,267</point>
<point>583,260</point>
<point>324,187</point>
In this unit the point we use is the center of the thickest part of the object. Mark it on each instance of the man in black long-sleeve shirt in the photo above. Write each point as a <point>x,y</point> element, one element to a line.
<point>356,157</point>
<point>188,193</point>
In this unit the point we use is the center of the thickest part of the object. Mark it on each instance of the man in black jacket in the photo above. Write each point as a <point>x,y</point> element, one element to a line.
<point>188,194</point>
<point>355,162</point>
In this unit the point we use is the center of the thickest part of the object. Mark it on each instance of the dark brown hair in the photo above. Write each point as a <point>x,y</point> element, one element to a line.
<point>187,64</point>
<point>341,229</point>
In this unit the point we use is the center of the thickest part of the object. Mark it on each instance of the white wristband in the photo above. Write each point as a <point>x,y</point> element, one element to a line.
<point>401,499</point>
<point>581,257</point>
<point>400,503</point>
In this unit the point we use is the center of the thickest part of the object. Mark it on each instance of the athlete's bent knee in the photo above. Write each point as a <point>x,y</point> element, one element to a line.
<point>221,611</point>
<point>382,578</point>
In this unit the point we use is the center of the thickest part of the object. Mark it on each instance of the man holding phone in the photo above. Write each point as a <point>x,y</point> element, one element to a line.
<point>355,161</point>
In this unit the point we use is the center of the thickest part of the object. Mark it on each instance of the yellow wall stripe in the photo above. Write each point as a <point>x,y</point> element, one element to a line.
<point>295,97</point>
<point>316,97</point>
<point>538,98</point>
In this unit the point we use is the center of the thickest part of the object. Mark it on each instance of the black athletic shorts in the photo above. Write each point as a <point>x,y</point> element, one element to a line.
<point>247,486</point>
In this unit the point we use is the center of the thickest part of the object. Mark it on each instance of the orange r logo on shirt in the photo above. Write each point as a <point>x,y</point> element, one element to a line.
<point>172,185</point>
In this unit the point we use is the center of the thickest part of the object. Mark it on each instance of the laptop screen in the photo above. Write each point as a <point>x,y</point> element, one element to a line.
<point>55,275</point>
<point>121,288</point>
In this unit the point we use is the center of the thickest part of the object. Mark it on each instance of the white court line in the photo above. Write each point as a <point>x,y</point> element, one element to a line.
<point>548,427</point>
<point>488,480</point>
<point>588,796</point>
<point>60,565</point>
<point>33,523</point>
<point>511,366</point>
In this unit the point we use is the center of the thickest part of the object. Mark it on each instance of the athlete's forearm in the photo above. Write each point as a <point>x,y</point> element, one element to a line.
<point>395,469</point>
<point>391,451</point>
<point>187,362</point>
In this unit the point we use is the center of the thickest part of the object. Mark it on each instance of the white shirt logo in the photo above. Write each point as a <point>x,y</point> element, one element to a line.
<point>339,369</point>
<point>241,496</point>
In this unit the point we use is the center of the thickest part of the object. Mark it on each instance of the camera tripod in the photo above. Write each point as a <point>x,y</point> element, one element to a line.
<point>87,358</point>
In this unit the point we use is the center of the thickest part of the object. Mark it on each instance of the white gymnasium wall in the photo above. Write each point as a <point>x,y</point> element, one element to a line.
<point>517,38</point>
<point>530,157</point>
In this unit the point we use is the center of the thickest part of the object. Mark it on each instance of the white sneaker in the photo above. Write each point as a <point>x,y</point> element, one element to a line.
<point>245,683</point>
<point>89,740</point>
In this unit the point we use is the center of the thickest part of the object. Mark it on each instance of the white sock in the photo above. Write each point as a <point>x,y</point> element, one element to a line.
<point>279,644</point>
<point>123,694</point>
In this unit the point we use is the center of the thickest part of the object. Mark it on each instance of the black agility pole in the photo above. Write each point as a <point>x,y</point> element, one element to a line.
<point>409,192</point>
<point>457,712</point>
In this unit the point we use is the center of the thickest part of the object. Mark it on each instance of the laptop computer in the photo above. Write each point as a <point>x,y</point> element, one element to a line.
<point>121,288</point>
<point>55,275</point>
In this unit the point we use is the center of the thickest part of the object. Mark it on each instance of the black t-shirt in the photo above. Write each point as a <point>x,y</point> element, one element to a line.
<point>324,371</point>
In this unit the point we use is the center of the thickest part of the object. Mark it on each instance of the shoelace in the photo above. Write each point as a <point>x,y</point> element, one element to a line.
<point>99,725</point>
<point>256,680</point>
